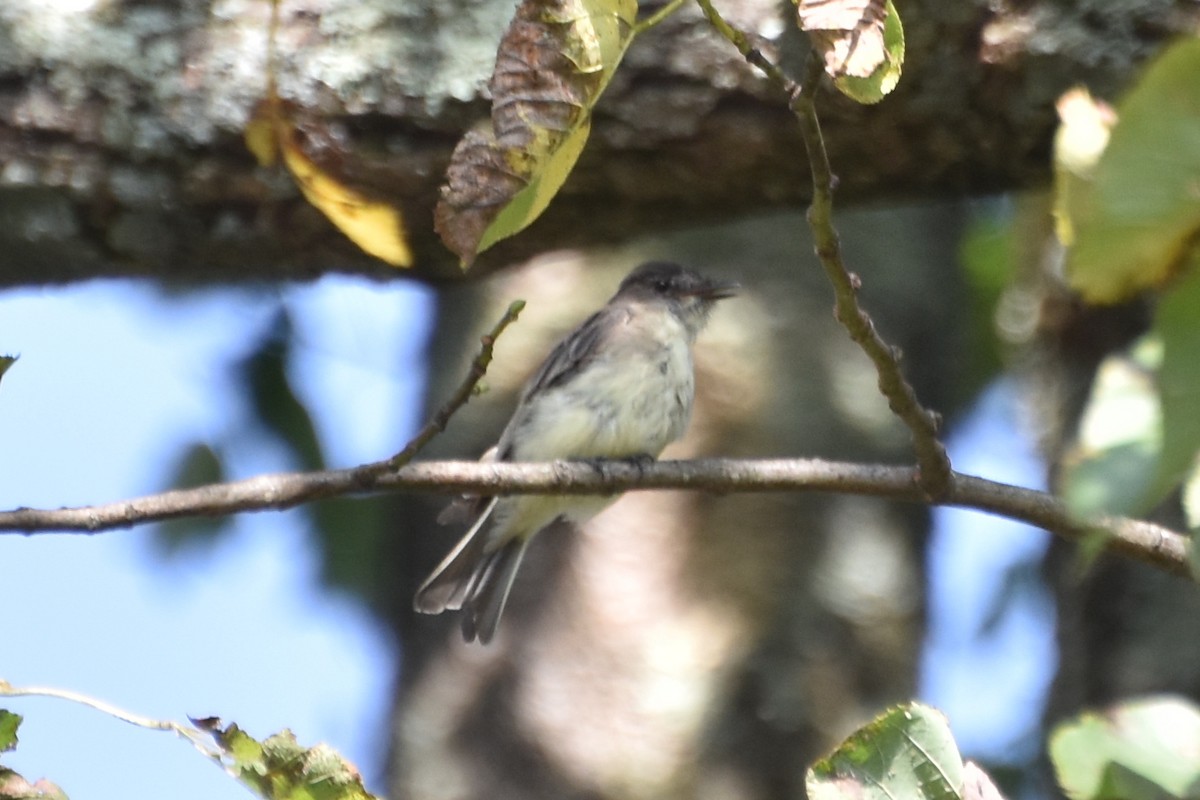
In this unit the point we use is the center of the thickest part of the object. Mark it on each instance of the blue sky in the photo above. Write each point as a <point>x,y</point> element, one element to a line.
<point>115,378</point>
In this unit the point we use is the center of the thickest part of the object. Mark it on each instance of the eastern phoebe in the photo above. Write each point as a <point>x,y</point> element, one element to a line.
<point>620,386</point>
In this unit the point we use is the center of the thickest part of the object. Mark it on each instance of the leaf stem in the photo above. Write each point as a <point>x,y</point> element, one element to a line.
<point>658,16</point>
<point>194,735</point>
<point>935,476</point>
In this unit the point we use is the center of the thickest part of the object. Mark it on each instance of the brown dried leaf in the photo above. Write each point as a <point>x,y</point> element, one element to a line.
<point>849,34</point>
<point>553,63</point>
<point>14,787</point>
<point>375,224</point>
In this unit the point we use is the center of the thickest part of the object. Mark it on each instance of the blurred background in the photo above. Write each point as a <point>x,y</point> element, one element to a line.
<point>681,645</point>
<point>184,315</point>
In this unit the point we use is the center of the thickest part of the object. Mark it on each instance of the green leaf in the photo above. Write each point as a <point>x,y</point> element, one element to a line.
<point>1191,510</point>
<point>883,80</point>
<point>9,722</point>
<point>907,752</point>
<point>14,787</point>
<point>1110,468</point>
<point>554,62</point>
<point>1136,750</point>
<point>277,407</point>
<point>988,255</point>
<point>1133,221</point>
<point>1177,324</point>
<point>1140,432</point>
<point>279,768</point>
<point>862,42</point>
<point>199,465</point>
<point>352,533</point>
<point>6,362</point>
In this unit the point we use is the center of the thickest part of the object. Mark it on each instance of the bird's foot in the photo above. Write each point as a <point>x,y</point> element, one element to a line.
<point>602,466</point>
<point>640,460</point>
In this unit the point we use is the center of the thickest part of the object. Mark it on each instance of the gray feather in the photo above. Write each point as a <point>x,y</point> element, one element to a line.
<point>489,589</point>
<point>448,586</point>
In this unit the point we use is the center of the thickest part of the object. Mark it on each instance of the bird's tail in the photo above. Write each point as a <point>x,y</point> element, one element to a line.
<point>474,580</point>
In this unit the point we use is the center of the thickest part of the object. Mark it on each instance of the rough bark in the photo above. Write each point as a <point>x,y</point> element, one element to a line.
<point>121,124</point>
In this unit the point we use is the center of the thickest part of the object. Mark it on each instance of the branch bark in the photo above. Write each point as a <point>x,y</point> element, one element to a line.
<point>1153,544</point>
<point>121,127</point>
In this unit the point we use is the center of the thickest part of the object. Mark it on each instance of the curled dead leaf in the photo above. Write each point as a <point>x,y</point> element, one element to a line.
<point>374,224</point>
<point>554,61</point>
<point>861,41</point>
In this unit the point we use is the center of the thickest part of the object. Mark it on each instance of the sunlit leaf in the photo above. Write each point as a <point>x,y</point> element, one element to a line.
<point>1191,510</point>
<point>1111,466</point>
<point>1177,324</point>
<point>555,60</point>
<point>862,42</point>
<point>1191,500</point>
<point>12,785</point>
<point>279,768</point>
<point>978,785</point>
<point>906,752</point>
<point>1133,222</point>
<point>1136,750</point>
<point>9,722</point>
<point>375,225</point>
<point>1082,135</point>
<point>1140,432</point>
<point>262,135</point>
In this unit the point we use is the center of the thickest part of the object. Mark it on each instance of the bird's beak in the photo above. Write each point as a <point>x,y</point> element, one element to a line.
<point>717,290</point>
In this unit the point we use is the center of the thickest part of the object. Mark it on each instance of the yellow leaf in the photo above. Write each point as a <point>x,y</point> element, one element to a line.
<point>375,226</point>
<point>261,137</point>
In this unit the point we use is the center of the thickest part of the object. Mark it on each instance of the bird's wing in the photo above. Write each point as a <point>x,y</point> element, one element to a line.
<point>571,354</point>
<point>574,352</point>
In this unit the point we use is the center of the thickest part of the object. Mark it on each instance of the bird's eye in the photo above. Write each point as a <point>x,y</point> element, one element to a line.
<point>662,285</point>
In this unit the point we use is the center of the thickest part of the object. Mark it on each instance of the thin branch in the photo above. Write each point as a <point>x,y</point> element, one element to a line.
<point>935,475</point>
<point>1145,541</point>
<point>464,393</point>
<point>658,16</point>
<point>749,52</point>
<point>192,734</point>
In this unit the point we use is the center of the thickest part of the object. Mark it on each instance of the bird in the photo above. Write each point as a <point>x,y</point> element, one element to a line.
<point>619,386</point>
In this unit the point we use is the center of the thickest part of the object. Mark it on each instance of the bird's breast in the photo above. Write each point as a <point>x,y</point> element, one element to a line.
<point>633,398</point>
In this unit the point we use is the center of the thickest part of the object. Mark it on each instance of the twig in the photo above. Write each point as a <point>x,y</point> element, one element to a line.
<point>1153,544</point>
<point>465,390</point>
<point>749,52</point>
<point>658,16</point>
<point>194,735</point>
<point>935,476</point>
